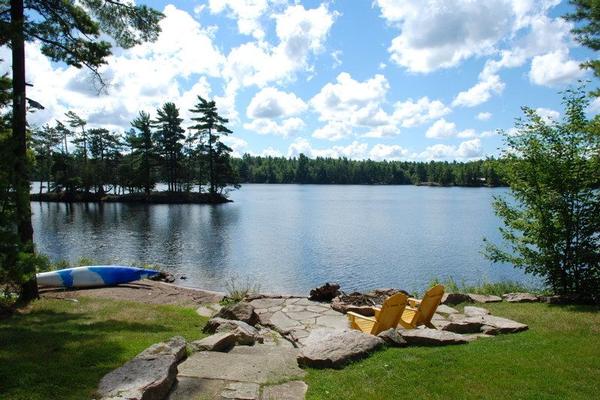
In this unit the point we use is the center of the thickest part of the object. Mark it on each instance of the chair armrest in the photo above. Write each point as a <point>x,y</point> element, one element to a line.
<point>353,315</point>
<point>414,302</point>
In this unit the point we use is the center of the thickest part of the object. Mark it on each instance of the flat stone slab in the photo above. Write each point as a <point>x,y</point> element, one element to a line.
<point>431,337</point>
<point>241,391</point>
<point>484,298</point>
<point>520,298</point>
<point>444,309</point>
<point>257,364</point>
<point>294,390</point>
<point>471,311</point>
<point>187,388</point>
<point>501,325</point>
<point>222,341</point>
<point>326,348</point>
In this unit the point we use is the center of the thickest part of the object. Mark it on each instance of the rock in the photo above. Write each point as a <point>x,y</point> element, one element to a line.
<point>501,325</point>
<point>555,299</point>
<point>149,376</point>
<point>241,391</point>
<point>208,310</point>
<point>282,323</point>
<point>241,312</point>
<point>176,347</point>
<point>520,298</point>
<point>464,324</point>
<point>444,309</point>
<point>340,306</point>
<point>431,337</point>
<point>215,323</point>
<point>294,390</point>
<point>223,341</point>
<point>325,293</point>
<point>245,334</point>
<point>326,348</point>
<point>471,311</point>
<point>484,298</point>
<point>163,277</point>
<point>455,298</point>
<point>393,338</point>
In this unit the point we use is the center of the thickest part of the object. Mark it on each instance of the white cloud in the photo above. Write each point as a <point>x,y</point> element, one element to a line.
<point>411,113</point>
<point>548,114</point>
<point>440,35</point>
<point>333,130</point>
<point>480,93</point>
<point>237,144</point>
<point>246,12</point>
<point>270,152</point>
<point>484,116</point>
<point>272,103</point>
<point>442,129</point>
<point>381,152</point>
<point>554,69</point>
<point>355,150</point>
<point>337,58</point>
<point>285,128</point>
<point>470,149</point>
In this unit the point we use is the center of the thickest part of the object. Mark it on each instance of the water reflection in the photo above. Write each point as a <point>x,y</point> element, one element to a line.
<point>289,237</point>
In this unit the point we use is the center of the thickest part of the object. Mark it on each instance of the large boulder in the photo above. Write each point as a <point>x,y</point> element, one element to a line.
<point>149,376</point>
<point>240,311</point>
<point>520,298</point>
<point>431,337</point>
<point>325,293</point>
<point>223,341</point>
<point>245,334</point>
<point>325,348</point>
<point>455,298</point>
<point>460,323</point>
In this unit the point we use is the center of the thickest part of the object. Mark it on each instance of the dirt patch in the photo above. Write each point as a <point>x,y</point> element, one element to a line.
<point>145,291</point>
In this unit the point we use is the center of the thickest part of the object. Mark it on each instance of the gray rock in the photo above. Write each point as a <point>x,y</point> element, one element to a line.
<point>501,325</point>
<point>282,323</point>
<point>325,348</point>
<point>471,311</point>
<point>455,298</point>
<point>241,391</point>
<point>245,334</point>
<point>241,312</point>
<point>208,310</point>
<point>267,303</point>
<point>444,309</point>
<point>431,337</point>
<point>258,364</point>
<point>294,390</point>
<point>223,341</point>
<point>149,376</point>
<point>176,347</point>
<point>223,325</point>
<point>393,338</point>
<point>484,298</point>
<point>520,298</point>
<point>464,325</point>
<point>339,321</point>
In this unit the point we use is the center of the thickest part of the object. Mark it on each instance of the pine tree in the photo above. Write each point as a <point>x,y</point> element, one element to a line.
<point>169,136</point>
<point>143,149</point>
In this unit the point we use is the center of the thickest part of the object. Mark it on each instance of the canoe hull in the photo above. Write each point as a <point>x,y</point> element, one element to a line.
<point>93,276</point>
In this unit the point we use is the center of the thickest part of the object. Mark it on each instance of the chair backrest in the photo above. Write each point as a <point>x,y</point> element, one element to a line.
<point>390,313</point>
<point>431,301</point>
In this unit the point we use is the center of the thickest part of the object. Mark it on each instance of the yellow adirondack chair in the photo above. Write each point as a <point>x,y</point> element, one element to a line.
<point>420,312</point>
<point>385,318</point>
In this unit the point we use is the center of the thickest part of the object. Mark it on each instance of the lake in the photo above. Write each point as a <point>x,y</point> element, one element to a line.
<point>291,238</point>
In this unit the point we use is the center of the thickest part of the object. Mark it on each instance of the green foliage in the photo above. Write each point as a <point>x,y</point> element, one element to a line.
<point>485,287</point>
<point>321,170</point>
<point>238,288</point>
<point>169,136</point>
<point>587,14</point>
<point>552,221</point>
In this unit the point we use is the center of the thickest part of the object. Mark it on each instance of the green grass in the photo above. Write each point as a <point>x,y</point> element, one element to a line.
<point>484,287</point>
<point>557,358</point>
<point>61,349</point>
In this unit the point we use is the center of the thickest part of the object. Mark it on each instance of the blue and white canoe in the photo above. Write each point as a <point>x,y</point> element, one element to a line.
<point>93,276</point>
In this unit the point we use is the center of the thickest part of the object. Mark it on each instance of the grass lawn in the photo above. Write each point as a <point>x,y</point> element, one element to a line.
<point>61,349</point>
<point>557,358</point>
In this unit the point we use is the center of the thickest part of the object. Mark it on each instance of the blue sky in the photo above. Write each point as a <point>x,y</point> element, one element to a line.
<point>383,79</point>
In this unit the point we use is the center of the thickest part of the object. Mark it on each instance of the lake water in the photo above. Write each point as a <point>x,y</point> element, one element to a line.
<point>291,238</point>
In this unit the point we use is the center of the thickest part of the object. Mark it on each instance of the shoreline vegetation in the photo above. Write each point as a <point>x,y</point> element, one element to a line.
<point>150,198</point>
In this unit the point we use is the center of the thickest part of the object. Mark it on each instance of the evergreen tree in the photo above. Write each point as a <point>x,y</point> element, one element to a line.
<point>45,140</point>
<point>143,150</point>
<point>209,127</point>
<point>169,136</point>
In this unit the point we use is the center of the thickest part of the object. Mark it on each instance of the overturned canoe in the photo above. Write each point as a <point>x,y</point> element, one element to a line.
<point>93,276</point>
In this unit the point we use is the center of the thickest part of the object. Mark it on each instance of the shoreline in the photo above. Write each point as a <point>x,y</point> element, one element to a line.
<point>137,198</point>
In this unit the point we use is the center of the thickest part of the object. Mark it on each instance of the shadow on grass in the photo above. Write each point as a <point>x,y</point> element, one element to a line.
<point>51,355</point>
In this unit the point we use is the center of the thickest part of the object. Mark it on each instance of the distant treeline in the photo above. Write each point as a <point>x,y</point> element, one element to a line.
<point>302,169</point>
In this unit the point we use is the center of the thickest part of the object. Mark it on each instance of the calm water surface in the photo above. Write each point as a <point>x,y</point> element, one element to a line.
<point>290,238</point>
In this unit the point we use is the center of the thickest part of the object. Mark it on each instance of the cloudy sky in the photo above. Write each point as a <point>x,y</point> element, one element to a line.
<point>382,79</point>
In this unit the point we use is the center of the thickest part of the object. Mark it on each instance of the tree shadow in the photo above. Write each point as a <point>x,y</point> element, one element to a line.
<point>50,355</point>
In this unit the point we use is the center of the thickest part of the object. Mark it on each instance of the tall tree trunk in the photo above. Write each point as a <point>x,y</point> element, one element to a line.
<point>210,163</point>
<point>19,131</point>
